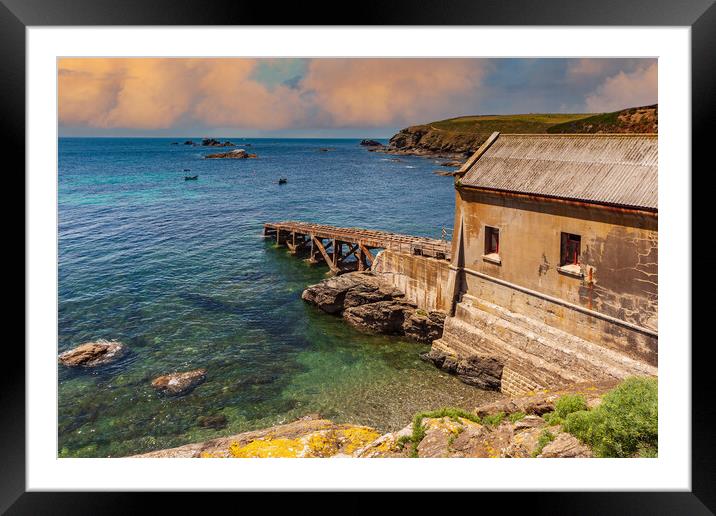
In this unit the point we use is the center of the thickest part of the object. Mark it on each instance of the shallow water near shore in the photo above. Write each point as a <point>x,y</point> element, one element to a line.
<point>178,271</point>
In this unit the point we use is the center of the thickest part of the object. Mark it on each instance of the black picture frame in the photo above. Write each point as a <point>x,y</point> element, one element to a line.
<point>700,15</point>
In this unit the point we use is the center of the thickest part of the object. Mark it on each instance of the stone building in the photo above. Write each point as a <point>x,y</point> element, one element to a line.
<point>554,259</point>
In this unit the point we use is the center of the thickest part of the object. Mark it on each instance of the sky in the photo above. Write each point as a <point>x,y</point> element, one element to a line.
<point>330,97</point>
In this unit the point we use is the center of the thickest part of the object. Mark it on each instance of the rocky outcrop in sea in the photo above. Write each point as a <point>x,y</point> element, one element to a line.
<point>178,384</point>
<point>234,154</point>
<point>93,354</point>
<point>368,302</point>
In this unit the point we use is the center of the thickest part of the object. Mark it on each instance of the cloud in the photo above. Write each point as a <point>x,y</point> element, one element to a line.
<point>158,93</point>
<point>625,89</point>
<point>161,93</point>
<point>374,92</point>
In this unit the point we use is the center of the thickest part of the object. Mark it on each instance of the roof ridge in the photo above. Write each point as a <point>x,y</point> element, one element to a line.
<point>564,135</point>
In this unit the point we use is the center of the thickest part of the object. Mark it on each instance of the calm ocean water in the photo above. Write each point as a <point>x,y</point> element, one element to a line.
<point>178,270</point>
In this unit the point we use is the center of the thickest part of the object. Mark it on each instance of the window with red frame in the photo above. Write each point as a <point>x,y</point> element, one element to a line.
<point>492,240</point>
<point>570,249</point>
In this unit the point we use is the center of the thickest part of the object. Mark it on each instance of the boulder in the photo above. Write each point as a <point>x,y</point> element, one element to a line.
<point>530,421</point>
<point>482,371</point>
<point>92,354</point>
<point>523,443</point>
<point>385,317</point>
<point>177,384</point>
<point>348,290</point>
<point>188,142</point>
<point>441,360</point>
<point>565,446</point>
<point>424,326</point>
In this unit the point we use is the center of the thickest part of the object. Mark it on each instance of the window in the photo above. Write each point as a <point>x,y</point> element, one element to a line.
<point>492,240</point>
<point>571,247</point>
<point>492,245</point>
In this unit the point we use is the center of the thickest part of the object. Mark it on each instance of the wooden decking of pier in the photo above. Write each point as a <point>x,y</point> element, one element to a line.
<point>335,245</point>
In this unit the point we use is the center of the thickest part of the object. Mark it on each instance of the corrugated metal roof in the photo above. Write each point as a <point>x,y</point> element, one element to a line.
<point>607,169</point>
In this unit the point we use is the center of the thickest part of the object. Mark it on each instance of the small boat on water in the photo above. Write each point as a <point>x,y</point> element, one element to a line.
<point>282,181</point>
<point>190,178</point>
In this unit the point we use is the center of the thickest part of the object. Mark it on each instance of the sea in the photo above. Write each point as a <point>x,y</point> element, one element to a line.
<point>179,271</point>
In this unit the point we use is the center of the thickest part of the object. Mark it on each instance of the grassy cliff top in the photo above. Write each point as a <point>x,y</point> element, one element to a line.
<point>637,119</point>
<point>528,123</point>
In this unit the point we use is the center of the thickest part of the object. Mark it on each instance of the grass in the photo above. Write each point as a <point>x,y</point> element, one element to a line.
<point>516,416</point>
<point>486,124</point>
<point>493,420</point>
<point>625,424</point>
<point>419,429</point>
<point>544,439</point>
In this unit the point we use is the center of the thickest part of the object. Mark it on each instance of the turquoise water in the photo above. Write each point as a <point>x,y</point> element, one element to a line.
<point>178,271</point>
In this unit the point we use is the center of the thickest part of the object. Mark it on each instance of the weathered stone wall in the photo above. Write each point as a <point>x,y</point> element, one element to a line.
<point>619,246</point>
<point>423,280</point>
<point>618,261</point>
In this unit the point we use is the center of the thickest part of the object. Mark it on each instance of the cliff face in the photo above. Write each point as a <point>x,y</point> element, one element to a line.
<point>423,139</point>
<point>643,119</point>
<point>460,137</point>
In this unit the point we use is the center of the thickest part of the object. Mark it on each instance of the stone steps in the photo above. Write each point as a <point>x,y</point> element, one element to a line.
<point>464,339</point>
<point>538,338</point>
<point>536,355</point>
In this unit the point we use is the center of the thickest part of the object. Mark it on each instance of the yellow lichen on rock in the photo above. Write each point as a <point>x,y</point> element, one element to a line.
<point>357,437</point>
<point>322,444</point>
<point>267,448</point>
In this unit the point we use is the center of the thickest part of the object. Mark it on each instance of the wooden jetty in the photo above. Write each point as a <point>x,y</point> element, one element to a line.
<point>334,245</point>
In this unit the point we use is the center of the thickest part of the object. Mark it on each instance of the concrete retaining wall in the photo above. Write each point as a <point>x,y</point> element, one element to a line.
<point>424,280</point>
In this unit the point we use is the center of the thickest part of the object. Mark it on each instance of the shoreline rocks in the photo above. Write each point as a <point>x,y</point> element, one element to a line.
<point>385,317</point>
<point>178,384</point>
<point>369,303</point>
<point>348,290</point>
<point>93,354</point>
<point>503,429</point>
<point>308,437</point>
<point>481,371</point>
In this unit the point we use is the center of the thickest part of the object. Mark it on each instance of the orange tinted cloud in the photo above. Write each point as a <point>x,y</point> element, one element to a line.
<point>374,92</point>
<point>140,93</point>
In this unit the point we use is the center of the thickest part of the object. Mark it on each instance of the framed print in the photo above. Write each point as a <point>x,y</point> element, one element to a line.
<point>368,265</point>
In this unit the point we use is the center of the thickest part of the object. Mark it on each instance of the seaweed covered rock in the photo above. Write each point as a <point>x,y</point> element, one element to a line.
<point>177,384</point>
<point>92,354</point>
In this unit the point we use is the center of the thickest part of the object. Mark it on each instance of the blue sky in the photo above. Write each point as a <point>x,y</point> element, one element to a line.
<point>350,98</point>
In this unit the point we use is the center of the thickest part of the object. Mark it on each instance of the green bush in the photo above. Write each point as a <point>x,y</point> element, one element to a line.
<point>625,424</point>
<point>516,416</point>
<point>564,406</point>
